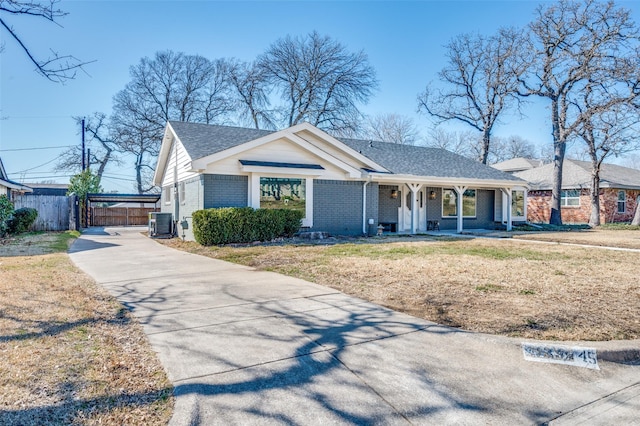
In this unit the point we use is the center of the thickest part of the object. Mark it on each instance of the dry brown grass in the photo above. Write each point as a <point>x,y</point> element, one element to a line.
<point>495,286</point>
<point>594,237</point>
<point>69,353</point>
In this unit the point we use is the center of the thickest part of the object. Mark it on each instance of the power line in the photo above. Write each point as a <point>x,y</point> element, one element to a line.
<point>36,148</point>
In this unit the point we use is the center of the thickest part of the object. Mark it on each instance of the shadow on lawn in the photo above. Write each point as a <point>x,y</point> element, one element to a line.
<point>77,411</point>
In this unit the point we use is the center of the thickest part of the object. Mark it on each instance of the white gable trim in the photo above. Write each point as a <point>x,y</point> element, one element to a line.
<point>163,156</point>
<point>350,170</point>
<point>335,142</point>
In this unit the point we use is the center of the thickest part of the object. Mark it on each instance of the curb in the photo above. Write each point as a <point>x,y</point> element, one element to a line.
<point>620,356</point>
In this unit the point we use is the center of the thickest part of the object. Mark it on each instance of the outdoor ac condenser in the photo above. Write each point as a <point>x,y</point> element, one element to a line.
<point>160,224</point>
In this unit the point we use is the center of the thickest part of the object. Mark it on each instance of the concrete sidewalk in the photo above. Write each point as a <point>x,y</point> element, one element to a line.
<point>251,347</point>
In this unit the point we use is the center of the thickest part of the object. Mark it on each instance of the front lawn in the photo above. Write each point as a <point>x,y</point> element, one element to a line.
<point>69,352</point>
<point>498,286</point>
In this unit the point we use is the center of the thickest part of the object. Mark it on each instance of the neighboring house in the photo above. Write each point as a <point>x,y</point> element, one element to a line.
<point>59,189</point>
<point>619,191</point>
<point>9,187</point>
<point>343,186</point>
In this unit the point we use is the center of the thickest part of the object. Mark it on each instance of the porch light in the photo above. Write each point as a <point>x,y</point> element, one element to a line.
<point>394,193</point>
<point>432,195</point>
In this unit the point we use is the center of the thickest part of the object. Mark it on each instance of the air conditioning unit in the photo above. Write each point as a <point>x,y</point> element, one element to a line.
<point>160,225</point>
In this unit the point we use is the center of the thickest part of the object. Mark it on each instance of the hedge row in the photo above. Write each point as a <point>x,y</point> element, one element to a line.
<point>244,225</point>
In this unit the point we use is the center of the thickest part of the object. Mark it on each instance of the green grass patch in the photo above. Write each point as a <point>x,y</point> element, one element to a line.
<point>63,240</point>
<point>489,287</point>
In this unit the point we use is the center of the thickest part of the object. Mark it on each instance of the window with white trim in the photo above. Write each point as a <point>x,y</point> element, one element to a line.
<point>283,193</point>
<point>183,193</point>
<point>167,194</point>
<point>570,198</point>
<point>622,201</point>
<point>450,203</point>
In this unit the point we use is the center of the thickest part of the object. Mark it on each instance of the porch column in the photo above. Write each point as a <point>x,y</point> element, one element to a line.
<point>509,194</point>
<point>414,187</point>
<point>459,214</point>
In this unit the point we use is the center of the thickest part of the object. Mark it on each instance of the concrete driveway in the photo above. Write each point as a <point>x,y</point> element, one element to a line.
<point>251,347</point>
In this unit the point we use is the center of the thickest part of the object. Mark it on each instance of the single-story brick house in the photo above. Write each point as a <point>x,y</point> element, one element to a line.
<point>619,191</point>
<point>9,187</point>
<point>342,185</point>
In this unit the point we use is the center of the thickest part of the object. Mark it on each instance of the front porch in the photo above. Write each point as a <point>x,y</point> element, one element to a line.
<point>415,208</point>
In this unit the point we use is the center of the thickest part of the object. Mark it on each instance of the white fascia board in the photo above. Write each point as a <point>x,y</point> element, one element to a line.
<point>201,163</point>
<point>282,170</point>
<point>163,156</point>
<point>443,181</point>
<point>15,186</point>
<point>335,142</point>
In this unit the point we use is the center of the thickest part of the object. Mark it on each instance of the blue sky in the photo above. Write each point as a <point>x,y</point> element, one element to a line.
<point>404,41</point>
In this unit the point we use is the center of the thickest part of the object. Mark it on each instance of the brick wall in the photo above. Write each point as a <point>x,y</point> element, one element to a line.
<point>539,210</point>
<point>389,206</point>
<point>337,206</point>
<point>225,191</point>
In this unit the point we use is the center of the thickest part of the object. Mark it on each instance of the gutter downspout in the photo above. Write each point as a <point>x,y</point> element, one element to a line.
<point>364,206</point>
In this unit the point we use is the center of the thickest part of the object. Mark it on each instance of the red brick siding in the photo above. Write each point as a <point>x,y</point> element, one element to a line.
<point>539,210</point>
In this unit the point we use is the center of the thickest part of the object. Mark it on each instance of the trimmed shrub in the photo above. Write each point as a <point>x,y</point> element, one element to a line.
<point>242,225</point>
<point>6,210</point>
<point>22,219</point>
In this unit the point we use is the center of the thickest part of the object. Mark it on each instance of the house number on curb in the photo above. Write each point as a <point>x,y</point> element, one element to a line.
<point>576,356</point>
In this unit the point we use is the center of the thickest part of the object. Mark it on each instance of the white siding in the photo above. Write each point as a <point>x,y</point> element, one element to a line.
<point>328,148</point>
<point>281,151</point>
<point>183,161</point>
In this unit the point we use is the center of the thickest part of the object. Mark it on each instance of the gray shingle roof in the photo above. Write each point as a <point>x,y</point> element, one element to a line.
<point>422,161</point>
<point>577,174</point>
<point>201,140</point>
<point>517,164</point>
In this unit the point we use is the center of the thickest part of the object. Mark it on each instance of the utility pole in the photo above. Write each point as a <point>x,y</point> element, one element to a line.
<point>84,164</point>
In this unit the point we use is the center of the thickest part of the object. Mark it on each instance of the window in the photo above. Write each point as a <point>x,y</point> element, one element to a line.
<point>450,205</point>
<point>167,194</point>
<point>570,198</point>
<point>183,193</point>
<point>517,203</point>
<point>283,193</point>
<point>622,201</point>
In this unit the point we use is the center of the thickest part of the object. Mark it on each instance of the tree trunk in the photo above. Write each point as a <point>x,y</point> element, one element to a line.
<point>559,147</point>
<point>594,195</point>
<point>484,152</point>
<point>556,192</point>
<point>636,216</point>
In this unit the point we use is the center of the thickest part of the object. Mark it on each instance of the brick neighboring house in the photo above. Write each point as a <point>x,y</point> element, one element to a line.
<point>9,187</point>
<point>342,185</point>
<point>619,191</point>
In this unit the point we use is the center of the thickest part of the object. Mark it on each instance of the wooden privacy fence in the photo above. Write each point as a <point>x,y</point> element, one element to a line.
<point>53,210</point>
<point>120,216</point>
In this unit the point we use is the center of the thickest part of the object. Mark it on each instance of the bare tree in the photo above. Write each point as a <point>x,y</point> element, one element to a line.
<point>573,43</point>
<point>609,126</point>
<point>169,86</point>
<point>100,140</point>
<point>57,68</point>
<point>393,128</point>
<point>318,80</point>
<point>460,143</point>
<point>481,82</point>
<point>252,93</point>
